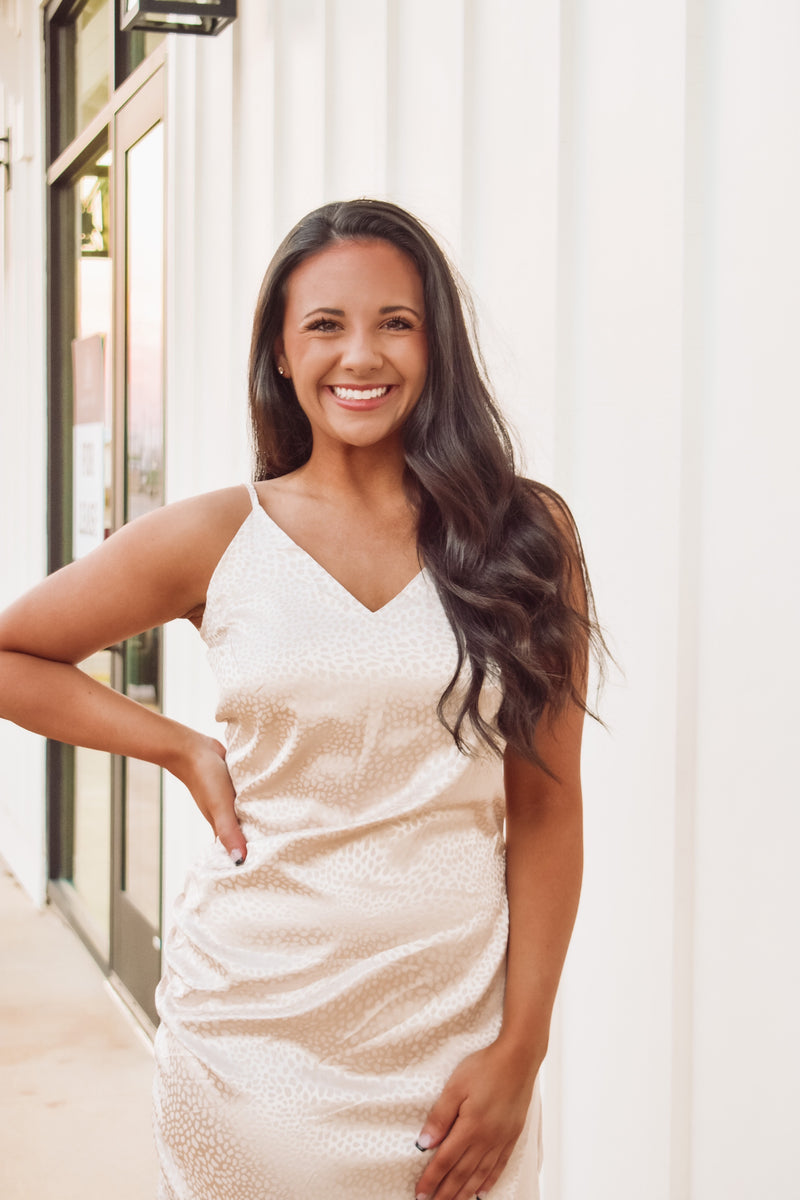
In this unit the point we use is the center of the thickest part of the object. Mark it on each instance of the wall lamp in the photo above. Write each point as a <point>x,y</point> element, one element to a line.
<point>177,16</point>
<point>5,160</point>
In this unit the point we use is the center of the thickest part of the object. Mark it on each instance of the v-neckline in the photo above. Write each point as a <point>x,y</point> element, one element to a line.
<point>372,612</point>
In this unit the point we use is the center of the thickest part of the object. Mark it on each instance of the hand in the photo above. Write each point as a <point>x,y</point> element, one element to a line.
<point>475,1124</point>
<point>206,776</point>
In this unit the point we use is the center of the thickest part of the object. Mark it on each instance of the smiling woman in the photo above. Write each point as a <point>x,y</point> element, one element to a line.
<point>362,968</point>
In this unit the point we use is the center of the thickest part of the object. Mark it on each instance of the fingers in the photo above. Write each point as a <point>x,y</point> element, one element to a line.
<point>440,1119</point>
<point>495,1173</point>
<point>459,1179</point>
<point>215,796</point>
<point>229,832</point>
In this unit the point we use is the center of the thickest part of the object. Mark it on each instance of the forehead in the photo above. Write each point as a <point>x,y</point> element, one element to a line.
<point>367,271</point>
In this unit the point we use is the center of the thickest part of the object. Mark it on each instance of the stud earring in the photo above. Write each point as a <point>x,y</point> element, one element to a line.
<point>281,371</point>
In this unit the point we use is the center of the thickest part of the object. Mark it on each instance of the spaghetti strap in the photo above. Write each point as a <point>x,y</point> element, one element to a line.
<point>254,501</point>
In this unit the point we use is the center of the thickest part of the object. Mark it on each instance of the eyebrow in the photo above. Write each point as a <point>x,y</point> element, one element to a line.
<point>387,308</point>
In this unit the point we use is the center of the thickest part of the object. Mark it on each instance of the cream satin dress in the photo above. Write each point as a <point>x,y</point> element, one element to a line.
<point>316,999</point>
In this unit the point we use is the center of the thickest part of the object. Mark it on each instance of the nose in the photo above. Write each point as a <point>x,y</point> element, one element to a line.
<point>361,352</point>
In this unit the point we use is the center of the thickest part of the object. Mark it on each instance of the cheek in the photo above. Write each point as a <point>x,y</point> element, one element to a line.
<point>309,361</point>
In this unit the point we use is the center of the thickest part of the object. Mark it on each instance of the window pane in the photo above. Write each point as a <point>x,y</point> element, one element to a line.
<point>91,522</point>
<point>93,27</point>
<point>134,47</point>
<point>144,489</point>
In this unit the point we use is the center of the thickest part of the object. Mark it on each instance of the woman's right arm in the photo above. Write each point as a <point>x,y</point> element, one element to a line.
<point>151,571</point>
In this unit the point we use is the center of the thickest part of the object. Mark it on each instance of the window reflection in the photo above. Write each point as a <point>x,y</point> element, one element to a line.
<point>91,490</point>
<point>145,273</point>
<point>93,26</point>
<point>144,489</point>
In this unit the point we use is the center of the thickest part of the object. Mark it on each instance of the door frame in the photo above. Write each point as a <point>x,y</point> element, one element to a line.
<point>65,162</point>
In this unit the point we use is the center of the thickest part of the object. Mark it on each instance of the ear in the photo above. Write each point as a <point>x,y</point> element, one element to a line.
<point>281,363</point>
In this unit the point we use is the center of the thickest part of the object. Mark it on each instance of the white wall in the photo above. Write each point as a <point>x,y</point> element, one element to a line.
<point>23,443</point>
<point>618,455</point>
<point>677,403</point>
<point>747,969</point>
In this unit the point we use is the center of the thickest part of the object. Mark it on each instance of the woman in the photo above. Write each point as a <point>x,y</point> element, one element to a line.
<point>362,969</point>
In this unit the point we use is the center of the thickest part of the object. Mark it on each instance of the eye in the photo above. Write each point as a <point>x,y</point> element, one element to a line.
<point>397,323</point>
<point>322,325</point>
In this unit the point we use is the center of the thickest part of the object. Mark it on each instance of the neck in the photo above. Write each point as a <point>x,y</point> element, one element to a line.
<point>356,472</point>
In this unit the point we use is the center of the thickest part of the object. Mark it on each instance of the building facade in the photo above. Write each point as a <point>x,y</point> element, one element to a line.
<point>619,185</point>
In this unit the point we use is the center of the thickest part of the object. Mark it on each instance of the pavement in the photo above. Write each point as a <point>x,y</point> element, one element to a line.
<point>75,1067</point>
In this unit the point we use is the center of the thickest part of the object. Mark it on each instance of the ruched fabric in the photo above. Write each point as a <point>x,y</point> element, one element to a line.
<point>316,998</point>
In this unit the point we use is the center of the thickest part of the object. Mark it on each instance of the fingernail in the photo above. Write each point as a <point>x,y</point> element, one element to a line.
<point>421,1196</point>
<point>423,1142</point>
<point>237,857</point>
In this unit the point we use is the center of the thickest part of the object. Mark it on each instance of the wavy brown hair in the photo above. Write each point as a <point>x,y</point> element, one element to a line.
<point>503,550</point>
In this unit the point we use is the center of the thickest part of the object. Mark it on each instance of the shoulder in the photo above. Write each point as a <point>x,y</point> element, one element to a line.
<point>184,541</point>
<point>196,529</point>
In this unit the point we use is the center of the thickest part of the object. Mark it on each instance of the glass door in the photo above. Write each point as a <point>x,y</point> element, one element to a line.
<point>139,329</point>
<point>105,201</point>
<point>87,205</point>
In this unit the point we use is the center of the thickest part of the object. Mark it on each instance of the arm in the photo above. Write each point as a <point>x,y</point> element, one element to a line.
<point>151,571</point>
<point>482,1109</point>
<point>481,1112</point>
<point>544,866</point>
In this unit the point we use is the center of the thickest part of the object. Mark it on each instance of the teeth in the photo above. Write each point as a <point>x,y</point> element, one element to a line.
<point>359,393</point>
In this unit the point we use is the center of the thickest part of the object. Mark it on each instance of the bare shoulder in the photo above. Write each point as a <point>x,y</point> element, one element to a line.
<point>152,570</point>
<point>197,529</point>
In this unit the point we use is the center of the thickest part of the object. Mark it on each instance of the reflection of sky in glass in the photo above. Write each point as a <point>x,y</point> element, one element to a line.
<point>145,261</point>
<point>94,313</point>
<point>94,287</point>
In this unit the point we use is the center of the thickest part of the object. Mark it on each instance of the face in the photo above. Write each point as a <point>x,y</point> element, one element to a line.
<point>354,342</point>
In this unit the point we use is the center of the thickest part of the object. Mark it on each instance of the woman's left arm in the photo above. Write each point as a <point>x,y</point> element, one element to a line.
<point>544,866</point>
<point>481,1112</point>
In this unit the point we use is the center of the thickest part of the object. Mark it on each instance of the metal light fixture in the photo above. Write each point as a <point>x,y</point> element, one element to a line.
<point>177,16</point>
<point>5,161</point>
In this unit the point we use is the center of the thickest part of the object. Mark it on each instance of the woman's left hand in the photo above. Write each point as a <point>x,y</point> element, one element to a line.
<point>475,1124</point>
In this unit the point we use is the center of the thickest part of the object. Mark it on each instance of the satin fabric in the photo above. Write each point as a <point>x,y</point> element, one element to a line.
<point>316,998</point>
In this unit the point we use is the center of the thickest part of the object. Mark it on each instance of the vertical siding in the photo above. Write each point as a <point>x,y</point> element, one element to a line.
<point>356,99</point>
<point>747,968</point>
<point>619,463</point>
<point>300,116</point>
<point>23,437</point>
<point>509,207</point>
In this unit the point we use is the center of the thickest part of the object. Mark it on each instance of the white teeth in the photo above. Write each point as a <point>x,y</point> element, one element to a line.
<point>359,393</point>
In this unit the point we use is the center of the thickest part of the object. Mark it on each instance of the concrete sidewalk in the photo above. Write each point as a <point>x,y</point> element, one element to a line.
<point>75,1069</point>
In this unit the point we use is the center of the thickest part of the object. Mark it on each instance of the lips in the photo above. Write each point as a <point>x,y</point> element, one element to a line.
<point>361,399</point>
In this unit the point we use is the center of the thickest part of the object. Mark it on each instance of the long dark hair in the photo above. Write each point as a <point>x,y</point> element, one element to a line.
<point>503,551</point>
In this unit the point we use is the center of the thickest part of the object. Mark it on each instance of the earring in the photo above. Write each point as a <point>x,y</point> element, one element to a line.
<point>281,371</point>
